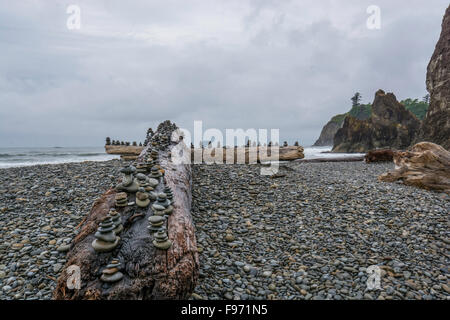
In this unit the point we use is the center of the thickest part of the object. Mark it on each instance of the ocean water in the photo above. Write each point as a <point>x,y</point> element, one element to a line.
<point>324,152</point>
<point>18,157</point>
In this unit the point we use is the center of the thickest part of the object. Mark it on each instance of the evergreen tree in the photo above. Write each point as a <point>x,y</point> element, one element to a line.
<point>356,99</point>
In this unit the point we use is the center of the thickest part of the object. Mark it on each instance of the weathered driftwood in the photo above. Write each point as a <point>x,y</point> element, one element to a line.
<point>247,154</point>
<point>149,273</point>
<point>382,155</point>
<point>427,166</point>
<point>285,153</point>
<point>335,159</point>
<point>123,150</point>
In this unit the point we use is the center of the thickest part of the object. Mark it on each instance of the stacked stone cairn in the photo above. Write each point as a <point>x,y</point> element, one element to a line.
<point>112,272</point>
<point>142,198</point>
<point>121,199</point>
<point>105,237</point>
<point>162,240</point>
<point>129,183</point>
<point>117,219</point>
<point>156,223</point>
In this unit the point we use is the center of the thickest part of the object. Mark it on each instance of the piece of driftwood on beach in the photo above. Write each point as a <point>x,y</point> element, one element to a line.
<point>426,165</point>
<point>130,153</point>
<point>149,273</point>
<point>334,159</point>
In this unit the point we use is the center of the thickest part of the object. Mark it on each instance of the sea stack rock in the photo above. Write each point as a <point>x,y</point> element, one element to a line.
<point>436,125</point>
<point>106,239</point>
<point>390,126</point>
<point>111,273</point>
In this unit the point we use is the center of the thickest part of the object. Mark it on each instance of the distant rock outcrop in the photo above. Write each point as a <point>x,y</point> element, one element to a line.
<point>436,125</point>
<point>391,125</point>
<point>361,112</point>
<point>327,134</point>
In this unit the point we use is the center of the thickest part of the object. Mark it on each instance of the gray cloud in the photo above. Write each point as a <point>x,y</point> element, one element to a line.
<point>250,64</point>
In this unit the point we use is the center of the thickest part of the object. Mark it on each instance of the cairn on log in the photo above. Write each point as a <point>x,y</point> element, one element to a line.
<point>146,271</point>
<point>427,166</point>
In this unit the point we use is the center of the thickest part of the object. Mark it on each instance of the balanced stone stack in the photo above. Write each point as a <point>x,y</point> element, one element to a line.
<point>169,193</point>
<point>144,182</point>
<point>106,239</point>
<point>129,183</point>
<point>117,219</point>
<point>121,199</point>
<point>142,198</point>
<point>162,205</point>
<point>161,240</point>
<point>141,167</point>
<point>112,272</point>
<point>155,173</point>
<point>156,223</point>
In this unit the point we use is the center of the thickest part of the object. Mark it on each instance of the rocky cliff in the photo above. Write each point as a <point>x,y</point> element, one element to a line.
<point>390,126</point>
<point>327,134</point>
<point>436,125</point>
<point>326,138</point>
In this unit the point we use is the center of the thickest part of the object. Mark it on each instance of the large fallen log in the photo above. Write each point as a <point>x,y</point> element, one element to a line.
<point>148,272</point>
<point>333,159</point>
<point>382,155</point>
<point>123,150</point>
<point>246,154</point>
<point>426,165</point>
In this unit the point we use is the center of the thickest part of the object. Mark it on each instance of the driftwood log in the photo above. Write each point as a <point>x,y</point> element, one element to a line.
<point>288,153</point>
<point>334,159</point>
<point>427,166</point>
<point>149,273</point>
<point>247,154</point>
<point>382,155</point>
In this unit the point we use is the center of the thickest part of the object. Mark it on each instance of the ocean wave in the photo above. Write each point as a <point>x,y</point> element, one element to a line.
<point>89,154</point>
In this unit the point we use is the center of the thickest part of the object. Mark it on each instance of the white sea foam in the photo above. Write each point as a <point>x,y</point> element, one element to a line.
<point>20,157</point>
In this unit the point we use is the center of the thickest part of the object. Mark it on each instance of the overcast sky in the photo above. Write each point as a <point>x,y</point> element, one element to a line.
<point>290,65</point>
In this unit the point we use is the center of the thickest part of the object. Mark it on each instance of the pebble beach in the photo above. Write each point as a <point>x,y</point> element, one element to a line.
<point>309,233</point>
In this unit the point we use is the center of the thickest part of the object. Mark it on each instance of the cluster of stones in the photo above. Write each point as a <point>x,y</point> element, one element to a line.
<point>112,272</point>
<point>162,240</point>
<point>105,237</point>
<point>121,199</point>
<point>121,143</point>
<point>129,182</point>
<point>162,206</point>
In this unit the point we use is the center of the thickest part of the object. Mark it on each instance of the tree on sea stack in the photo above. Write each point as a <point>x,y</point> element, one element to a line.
<point>356,99</point>
<point>285,144</point>
<point>296,144</point>
<point>134,144</point>
<point>108,141</point>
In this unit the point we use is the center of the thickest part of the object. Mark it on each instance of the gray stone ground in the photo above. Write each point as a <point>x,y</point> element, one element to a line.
<point>313,233</point>
<point>309,235</point>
